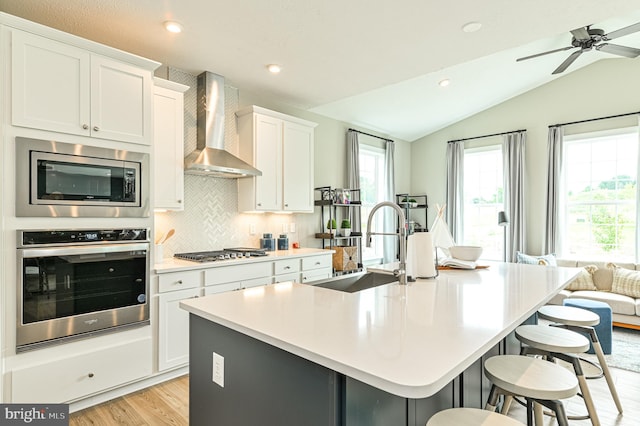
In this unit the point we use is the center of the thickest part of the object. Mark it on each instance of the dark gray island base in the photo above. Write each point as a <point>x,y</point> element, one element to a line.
<point>267,386</point>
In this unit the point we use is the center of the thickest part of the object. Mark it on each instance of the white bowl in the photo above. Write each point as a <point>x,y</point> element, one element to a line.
<point>470,253</point>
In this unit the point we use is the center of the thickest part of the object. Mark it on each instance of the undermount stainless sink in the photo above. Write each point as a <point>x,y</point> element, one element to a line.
<point>356,282</point>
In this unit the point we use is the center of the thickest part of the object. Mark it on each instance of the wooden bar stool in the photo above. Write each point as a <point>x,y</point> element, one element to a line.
<point>553,342</point>
<point>582,321</point>
<point>470,417</point>
<point>538,381</point>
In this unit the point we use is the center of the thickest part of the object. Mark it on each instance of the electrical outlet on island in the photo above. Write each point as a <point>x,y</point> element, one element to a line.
<point>218,369</point>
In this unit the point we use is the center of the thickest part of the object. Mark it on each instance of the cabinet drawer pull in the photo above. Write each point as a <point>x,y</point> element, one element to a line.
<point>287,267</point>
<point>179,201</point>
<point>179,282</point>
<point>286,205</point>
<point>90,375</point>
<point>318,263</point>
<point>111,269</point>
<point>85,126</point>
<point>96,128</point>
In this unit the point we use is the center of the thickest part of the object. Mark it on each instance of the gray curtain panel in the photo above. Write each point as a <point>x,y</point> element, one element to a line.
<point>455,193</point>
<point>513,154</point>
<point>353,173</point>
<point>390,245</point>
<point>555,149</point>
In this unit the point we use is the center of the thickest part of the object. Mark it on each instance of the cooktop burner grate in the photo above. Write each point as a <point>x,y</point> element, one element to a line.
<point>215,255</point>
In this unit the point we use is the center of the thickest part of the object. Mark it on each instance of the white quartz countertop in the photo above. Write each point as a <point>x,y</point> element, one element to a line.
<point>174,265</point>
<point>406,340</point>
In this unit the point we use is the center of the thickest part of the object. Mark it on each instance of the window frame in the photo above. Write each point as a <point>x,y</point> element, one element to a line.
<point>377,243</point>
<point>565,204</point>
<point>488,253</point>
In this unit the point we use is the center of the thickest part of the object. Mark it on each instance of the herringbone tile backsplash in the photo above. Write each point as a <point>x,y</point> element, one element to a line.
<point>210,219</point>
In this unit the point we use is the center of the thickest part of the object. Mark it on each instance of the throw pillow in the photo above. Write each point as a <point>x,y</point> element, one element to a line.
<point>535,260</point>
<point>584,281</point>
<point>626,281</point>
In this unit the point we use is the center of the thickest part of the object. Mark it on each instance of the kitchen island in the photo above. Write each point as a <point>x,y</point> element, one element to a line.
<point>299,354</point>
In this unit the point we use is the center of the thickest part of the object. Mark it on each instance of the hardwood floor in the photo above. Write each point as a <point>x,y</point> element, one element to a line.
<point>164,404</point>
<point>168,404</point>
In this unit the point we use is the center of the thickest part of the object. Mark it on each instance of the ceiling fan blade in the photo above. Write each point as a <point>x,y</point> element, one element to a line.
<point>581,34</point>
<point>629,52</point>
<point>545,53</point>
<point>623,31</point>
<point>563,66</point>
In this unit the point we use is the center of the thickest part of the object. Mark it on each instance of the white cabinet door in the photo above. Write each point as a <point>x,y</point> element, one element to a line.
<point>79,375</point>
<point>50,85</point>
<point>281,147</point>
<point>268,147</point>
<point>120,101</point>
<point>168,148</point>
<point>297,168</point>
<point>173,329</point>
<point>65,89</point>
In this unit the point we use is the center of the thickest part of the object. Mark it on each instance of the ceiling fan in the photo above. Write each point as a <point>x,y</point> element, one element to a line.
<point>587,38</point>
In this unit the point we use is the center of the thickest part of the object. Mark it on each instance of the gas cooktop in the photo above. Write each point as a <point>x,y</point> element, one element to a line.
<point>225,254</point>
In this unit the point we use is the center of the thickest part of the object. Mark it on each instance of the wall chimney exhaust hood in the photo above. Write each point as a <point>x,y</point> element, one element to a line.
<point>210,157</point>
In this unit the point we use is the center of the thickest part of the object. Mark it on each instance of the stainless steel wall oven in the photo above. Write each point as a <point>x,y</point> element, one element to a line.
<point>73,283</point>
<point>61,179</point>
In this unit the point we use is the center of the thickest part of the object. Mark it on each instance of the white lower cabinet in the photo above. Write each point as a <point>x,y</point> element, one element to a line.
<point>173,328</point>
<point>317,267</point>
<point>286,270</point>
<point>83,374</point>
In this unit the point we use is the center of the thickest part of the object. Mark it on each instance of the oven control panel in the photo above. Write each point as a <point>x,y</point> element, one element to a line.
<point>80,236</point>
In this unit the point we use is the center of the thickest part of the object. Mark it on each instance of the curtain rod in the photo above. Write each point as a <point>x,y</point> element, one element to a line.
<point>369,134</point>
<point>595,119</point>
<point>488,136</point>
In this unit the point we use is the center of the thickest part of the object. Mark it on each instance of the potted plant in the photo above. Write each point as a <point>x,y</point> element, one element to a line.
<point>332,227</point>
<point>345,225</point>
<point>413,202</point>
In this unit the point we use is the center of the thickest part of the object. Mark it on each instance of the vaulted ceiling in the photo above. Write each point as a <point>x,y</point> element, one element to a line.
<point>370,63</point>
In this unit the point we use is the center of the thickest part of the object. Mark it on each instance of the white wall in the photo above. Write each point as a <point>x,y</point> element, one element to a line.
<point>211,219</point>
<point>607,87</point>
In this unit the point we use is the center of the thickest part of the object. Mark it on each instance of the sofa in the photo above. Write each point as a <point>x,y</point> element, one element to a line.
<point>596,282</point>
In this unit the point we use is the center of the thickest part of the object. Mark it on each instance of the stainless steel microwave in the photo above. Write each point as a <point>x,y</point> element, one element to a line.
<point>59,179</point>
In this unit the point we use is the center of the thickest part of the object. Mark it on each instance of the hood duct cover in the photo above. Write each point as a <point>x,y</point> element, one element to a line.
<point>210,157</point>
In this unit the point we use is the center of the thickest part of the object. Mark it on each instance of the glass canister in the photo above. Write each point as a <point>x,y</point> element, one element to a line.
<point>283,242</point>
<point>267,242</point>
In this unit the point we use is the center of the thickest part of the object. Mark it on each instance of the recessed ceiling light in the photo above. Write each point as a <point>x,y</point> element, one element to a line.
<point>173,26</point>
<point>444,83</point>
<point>471,27</point>
<point>274,68</point>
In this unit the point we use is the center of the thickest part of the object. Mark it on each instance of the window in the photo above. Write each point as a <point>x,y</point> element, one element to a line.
<point>371,193</point>
<point>599,198</point>
<point>483,199</point>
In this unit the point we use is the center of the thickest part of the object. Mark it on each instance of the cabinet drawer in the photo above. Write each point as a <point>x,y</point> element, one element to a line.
<point>226,274</point>
<point>83,374</point>
<point>294,276</point>
<point>178,280</point>
<point>316,274</point>
<point>316,262</point>
<point>221,288</point>
<point>286,266</point>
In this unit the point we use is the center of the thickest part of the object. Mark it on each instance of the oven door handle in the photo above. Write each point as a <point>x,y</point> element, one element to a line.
<point>80,250</point>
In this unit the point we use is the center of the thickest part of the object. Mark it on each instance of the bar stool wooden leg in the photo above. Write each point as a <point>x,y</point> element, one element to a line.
<point>538,415</point>
<point>605,369</point>
<point>593,336</point>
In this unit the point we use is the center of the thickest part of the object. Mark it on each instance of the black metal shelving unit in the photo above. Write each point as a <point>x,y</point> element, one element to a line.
<point>334,206</point>
<point>411,209</point>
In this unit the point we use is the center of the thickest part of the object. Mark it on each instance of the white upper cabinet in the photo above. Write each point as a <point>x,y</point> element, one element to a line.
<point>281,147</point>
<point>64,88</point>
<point>168,144</point>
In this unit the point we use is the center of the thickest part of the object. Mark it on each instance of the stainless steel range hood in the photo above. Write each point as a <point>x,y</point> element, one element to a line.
<point>210,157</point>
